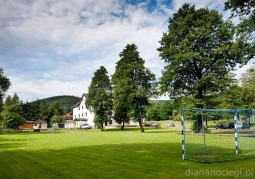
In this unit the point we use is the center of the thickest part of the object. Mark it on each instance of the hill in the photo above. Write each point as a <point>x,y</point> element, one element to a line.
<point>160,101</point>
<point>65,101</point>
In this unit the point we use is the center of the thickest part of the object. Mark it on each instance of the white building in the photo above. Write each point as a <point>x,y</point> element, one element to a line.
<point>81,115</point>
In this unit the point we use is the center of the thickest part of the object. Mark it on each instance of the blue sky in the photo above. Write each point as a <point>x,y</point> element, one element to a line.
<point>53,47</point>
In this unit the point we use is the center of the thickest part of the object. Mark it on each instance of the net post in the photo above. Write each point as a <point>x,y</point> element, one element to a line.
<point>203,129</point>
<point>52,129</point>
<point>236,132</point>
<point>183,135</point>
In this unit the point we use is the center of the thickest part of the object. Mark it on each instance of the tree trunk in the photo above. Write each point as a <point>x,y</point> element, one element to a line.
<point>141,126</point>
<point>200,98</point>
<point>123,124</point>
<point>102,126</point>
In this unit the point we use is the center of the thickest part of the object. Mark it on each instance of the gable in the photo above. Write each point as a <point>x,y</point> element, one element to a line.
<point>82,101</point>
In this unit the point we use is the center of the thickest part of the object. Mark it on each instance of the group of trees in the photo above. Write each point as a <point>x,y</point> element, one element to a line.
<point>157,111</point>
<point>200,50</point>
<point>126,94</point>
<point>15,112</point>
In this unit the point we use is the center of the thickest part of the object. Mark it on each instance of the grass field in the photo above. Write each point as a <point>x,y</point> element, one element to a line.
<point>110,154</point>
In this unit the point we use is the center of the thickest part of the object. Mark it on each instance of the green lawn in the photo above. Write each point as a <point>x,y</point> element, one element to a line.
<point>110,154</point>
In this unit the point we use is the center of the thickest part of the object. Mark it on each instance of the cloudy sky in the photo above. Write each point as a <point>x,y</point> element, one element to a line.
<point>53,47</point>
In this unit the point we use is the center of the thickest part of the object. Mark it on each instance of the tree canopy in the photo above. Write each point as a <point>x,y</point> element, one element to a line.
<point>240,7</point>
<point>5,84</point>
<point>166,110</point>
<point>99,99</point>
<point>153,111</point>
<point>200,49</point>
<point>13,116</point>
<point>248,87</point>
<point>133,84</point>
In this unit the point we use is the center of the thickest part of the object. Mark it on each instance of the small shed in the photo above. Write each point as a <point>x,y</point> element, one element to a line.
<point>70,124</point>
<point>40,124</point>
<point>28,124</point>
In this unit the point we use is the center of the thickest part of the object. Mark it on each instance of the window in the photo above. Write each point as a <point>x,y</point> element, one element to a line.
<point>82,107</point>
<point>110,122</point>
<point>79,108</point>
<point>79,115</point>
<point>86,114</point>
<point>82,114</point>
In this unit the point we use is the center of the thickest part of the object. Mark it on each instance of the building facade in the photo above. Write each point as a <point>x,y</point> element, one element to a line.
<point>81,115</point>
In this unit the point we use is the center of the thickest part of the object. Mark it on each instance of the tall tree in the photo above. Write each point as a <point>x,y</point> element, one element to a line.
<point>99,99</point>
<point>4,86</point>
<point>248,85</point>
<point>133,84</point>
<point>232,98</point>
<point>8,101</point>
<point>166,110</point>
<point>43,110</point>
<point>153,111</point>
<point>15,99</point>
<point>14,116</point>
<point>54,109</point>
<point>121,106</point>
<point>245,9</point>
<point>200,49</point>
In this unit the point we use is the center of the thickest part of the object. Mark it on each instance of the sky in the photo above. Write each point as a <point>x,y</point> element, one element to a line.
<point>53,47</point>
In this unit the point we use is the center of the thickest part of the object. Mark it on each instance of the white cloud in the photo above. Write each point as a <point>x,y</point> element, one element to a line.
<point>54,47</point>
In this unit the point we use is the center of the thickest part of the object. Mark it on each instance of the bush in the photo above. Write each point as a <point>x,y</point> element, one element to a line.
<point>177,117</point>
<point>195,128</point>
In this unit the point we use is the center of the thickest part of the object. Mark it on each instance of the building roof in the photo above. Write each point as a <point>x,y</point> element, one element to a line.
<point>78,104</point>
<point>67,116</point>
<point>39,121</point>
<point>80,119</point>
<point>71,121</point>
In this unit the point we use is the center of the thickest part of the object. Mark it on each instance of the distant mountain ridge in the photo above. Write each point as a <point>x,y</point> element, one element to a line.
<point>65,101</point>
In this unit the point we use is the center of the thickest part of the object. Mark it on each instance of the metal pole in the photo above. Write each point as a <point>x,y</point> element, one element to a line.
<point>183,135</point>
<point>52,128</point>
<point>203,129</point>
<point>236,132</point>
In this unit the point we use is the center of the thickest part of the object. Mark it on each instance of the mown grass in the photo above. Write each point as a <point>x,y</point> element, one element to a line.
<point>109,154</point>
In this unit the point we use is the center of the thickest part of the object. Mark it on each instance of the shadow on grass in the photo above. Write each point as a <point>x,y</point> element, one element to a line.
<point>146,129</point>
<point>6,143</point>
<point>164,131</point>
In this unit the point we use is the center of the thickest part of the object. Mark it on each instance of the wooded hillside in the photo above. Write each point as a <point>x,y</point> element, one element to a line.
<point>65,101</point>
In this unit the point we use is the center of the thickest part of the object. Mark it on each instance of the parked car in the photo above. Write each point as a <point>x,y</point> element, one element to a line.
<point>147,124</point>
<point>239,125</point>
<point>153,124</point>
<point>170,124</point>
<point>224,126</point>
<point>218,126</point>
<point>85,126</point>
<point>243,125</point>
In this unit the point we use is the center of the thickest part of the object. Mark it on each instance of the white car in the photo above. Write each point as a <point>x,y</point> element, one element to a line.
<point>85,126</point>
<point>170,124</point>
<point>239,125</point>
